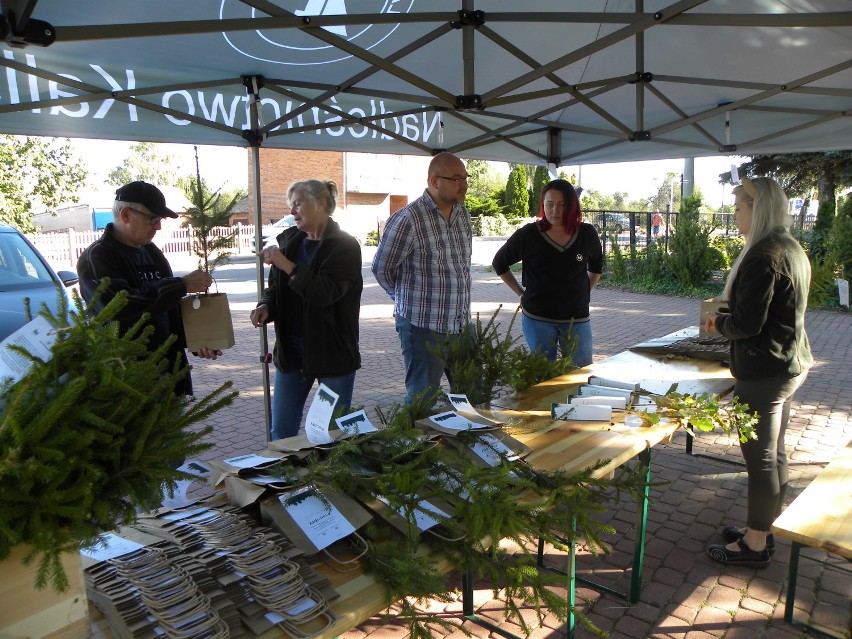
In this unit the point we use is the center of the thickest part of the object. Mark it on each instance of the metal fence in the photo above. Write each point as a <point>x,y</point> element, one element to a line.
<point>63,248</point>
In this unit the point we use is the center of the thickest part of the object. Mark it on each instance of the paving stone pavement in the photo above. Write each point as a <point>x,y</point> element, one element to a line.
<point>685,595</point>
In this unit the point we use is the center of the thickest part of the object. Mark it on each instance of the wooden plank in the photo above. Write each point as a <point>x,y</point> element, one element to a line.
<point>821,516</point>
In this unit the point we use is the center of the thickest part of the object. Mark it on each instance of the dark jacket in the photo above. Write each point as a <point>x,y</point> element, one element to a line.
<point>328,290</point>
<point>769,296</point>
<point>108,257</point>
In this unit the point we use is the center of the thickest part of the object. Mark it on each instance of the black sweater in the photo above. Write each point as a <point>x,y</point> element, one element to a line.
<point>555,278</point>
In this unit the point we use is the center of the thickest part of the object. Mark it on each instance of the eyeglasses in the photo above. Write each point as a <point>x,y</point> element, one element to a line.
<point>153,220</point>
<point>461,180</point>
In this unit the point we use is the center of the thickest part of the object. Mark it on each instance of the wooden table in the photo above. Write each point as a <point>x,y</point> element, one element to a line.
<point>820,517</point>
<point>567,446</point>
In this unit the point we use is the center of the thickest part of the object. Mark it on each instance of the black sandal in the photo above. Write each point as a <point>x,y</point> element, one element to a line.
<point>732,533</point>
<point>745,556</point>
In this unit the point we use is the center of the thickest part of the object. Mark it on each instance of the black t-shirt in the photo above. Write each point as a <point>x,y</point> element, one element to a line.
<point>294,347</point>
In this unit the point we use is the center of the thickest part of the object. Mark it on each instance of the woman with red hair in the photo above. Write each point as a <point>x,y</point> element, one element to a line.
<point>562,263</point>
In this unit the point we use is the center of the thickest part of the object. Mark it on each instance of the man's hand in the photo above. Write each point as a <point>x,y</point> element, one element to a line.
<point>207,353</point>
<point>259,315</point>
<point>197,281</point>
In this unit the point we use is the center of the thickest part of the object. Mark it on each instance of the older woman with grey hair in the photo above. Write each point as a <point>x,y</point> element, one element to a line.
<point>314,299</point>
<point>767,293</point>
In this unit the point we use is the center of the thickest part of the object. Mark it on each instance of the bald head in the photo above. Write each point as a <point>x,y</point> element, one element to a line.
<point>447,182</point>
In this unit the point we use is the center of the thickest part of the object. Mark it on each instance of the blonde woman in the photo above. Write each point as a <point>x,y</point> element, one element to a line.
<point>767,293</point>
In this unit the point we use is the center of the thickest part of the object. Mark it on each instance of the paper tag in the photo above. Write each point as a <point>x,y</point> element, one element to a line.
<point>619,403</point>
<point>320,414</point>
<point>579,412</point>
<point>491,450</point>
<point>422,520</point>
<point>355,423</point>
<point>594,380</point>
<point>248,461</point>
<point>591,391</point>
<point>320,520</point>
<point>110,546</point>
<point>453,421</point>
<point>37,337</point>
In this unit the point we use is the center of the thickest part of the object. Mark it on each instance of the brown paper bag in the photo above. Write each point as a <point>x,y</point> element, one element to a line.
<point>209,325</point>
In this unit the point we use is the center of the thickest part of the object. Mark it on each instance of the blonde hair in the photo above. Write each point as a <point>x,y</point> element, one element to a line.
<point>315,190</point>
<point>768,212</point>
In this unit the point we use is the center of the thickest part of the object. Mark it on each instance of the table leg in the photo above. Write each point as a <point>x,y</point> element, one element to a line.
<point>792,577</point>
<point>641,525</point>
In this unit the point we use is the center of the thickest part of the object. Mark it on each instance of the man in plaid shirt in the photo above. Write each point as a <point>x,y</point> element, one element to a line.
<point>423,263</point>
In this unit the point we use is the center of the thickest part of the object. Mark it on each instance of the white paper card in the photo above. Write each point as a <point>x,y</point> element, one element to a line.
<point>594,380</point>
<point>355,423</point>
<point>248,461</point>
<point>320,414</point>
<point>462,405</point>
<point>422,520</point>
<point>619,403</point>
<point>37,337</point>
<point>587,390</point>
<point>491,450</point>
<point>454,421</point>
<point>843,292</point>
<point>321,522</point>
<point>110,546</point>
<point>590,412</point>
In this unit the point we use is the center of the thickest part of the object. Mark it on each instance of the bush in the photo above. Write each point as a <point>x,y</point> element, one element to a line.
<point>486,226</point>
<point>729,246</point>
<point>691,258</point>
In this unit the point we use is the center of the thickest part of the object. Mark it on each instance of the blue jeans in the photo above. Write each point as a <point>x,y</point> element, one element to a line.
<point>291,391</point>
<point>547,336</point>
<point>423,366</point>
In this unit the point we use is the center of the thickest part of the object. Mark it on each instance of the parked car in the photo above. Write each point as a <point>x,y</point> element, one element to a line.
<point>25,273</point>
<point>610,222</point>
<point>270,231</point>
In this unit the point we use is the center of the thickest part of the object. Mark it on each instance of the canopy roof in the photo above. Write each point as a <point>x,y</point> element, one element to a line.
<point>530,82</point>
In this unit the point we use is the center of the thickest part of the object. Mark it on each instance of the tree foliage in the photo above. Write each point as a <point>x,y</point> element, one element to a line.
<point>541,176</point>
<point>36,174</point>
<point>691,257</point>
<point>667,194</point>
<point>517,195</point>
<point>91,434</point>
<point>145,162</point>
<point>210,210</point>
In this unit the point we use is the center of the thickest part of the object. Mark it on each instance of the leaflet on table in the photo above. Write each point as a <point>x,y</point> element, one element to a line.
<point>110,546</point>
<point>313,520</point>
<point>423,520</point>
<point>618,403</point>
<point>320,414</point>
<point>37,337</point>
<point>452,422</point>
<point>595,380</point>
<point>587,390</point>
<point>580,412</point>
<point>319,519</point>
<point>492,451</point>
<point>462,405</point>
<point>355,423</point>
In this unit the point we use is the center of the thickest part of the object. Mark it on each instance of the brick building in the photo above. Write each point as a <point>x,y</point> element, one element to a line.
<point>371,185</point>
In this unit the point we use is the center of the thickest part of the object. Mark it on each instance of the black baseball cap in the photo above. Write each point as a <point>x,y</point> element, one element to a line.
<point>147,195</point>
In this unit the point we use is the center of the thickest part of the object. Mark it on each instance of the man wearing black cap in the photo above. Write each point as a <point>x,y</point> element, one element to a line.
<point>125,253</point>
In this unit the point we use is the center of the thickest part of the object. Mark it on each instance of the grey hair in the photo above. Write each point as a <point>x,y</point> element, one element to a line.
<point>769,211</point>
<point>316,190</point>
<point>117,205</point>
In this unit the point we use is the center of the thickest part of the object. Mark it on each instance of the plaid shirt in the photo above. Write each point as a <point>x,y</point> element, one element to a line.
<point>423,263</point>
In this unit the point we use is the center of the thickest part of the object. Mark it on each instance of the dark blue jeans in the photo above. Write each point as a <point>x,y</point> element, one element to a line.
<point>291,391</point>
<point>422,357</point>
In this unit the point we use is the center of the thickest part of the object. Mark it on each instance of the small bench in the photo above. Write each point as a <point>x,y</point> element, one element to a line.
<point>820,517</point>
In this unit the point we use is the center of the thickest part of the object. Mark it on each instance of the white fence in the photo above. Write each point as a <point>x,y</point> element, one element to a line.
<point>62,249</point>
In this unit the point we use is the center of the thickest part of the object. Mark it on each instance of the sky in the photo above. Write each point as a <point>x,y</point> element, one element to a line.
<point>227,167</point>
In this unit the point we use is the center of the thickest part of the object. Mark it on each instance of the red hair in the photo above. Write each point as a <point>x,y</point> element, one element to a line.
<point>573,214</point>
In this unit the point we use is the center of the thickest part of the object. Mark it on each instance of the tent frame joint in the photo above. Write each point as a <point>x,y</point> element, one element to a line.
<point>640,136</point>
<point>644,77</point>
<point>254,137</point>
<point>727,148</point>
<point>472,102</point>
<point>468,19</point>
<point>21,34</point>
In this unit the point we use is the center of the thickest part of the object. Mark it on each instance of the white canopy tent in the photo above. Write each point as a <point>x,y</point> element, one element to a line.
<point>543,81</point>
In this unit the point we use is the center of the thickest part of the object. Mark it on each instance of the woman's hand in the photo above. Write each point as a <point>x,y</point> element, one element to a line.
<point>259,315</point>
<point>710,323</point>
<point>274,256</point>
